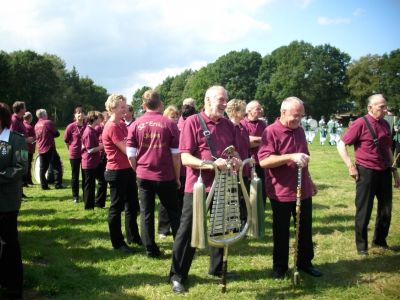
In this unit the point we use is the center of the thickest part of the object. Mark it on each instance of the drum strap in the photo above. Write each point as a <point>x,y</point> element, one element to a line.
<point>376,141</point>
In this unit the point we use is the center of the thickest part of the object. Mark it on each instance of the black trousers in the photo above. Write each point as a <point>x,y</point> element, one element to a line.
<point>101,194</point>
<point>164,225</point>
<point>281,215</point>
<point>183,253</point>
<point>123,195</point>
<point>373,183</point>
<point>168,194</point>
<point>52,157</point>
<point>89,186</point>
<point>28,176</point>
<point>11,271</point>
<point>75,169</point>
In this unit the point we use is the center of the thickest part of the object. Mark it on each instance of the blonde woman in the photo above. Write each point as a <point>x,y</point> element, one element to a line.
<point>120,176</point>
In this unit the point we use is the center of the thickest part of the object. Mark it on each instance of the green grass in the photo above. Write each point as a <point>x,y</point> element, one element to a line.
<point>67,253</point>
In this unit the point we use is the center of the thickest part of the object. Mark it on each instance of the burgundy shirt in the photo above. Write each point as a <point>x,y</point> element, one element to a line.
<point>90,140</point>
<point>365,151</point>
<point>45,132</point>
<point>73,139</point>
<point>243,143</point>
<point>193,141</point>
<point>281,182</point>
<point>181,121</point>
<point>30,132</point>
<point>112,134</point>
<point>254,128</point>
<point>99,129</point>
<point>17,124</point>
<point>154,135</point>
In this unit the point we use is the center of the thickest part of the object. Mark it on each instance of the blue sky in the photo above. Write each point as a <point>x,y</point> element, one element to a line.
<point>125,44</point>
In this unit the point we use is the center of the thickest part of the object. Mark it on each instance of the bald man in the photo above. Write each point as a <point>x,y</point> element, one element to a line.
<point>372,172</point>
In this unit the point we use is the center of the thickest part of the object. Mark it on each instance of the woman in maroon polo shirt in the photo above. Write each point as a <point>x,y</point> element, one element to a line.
<point>30,132</point>
<point>120,176</point>
<point>73,139</point>
<point>91,160</point>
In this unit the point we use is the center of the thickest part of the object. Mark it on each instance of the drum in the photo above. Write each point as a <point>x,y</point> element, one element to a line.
<point>49,173</point>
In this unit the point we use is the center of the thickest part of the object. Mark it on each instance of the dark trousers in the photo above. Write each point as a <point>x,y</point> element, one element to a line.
<point>75,169</point>
<point>183,253</point>
<point>28,175</point>
<point>101,194</point>
<point>261,174</point>
<point>50,157</point>
<point>164,225</point>
<point>281,215</point>
<point>168,194</point>
<point>123,195</point>
<point>89,186</point>
<point>11,271</point>
<point>373,183</point>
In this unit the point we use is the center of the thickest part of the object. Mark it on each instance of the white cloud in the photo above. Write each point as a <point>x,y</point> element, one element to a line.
<point>154,78</point>
<point>359,12</point>
<point>333,21</point>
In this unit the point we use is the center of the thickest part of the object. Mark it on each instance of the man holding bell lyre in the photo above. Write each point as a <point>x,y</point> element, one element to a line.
<point>194,150</point>
<point>283,150</point>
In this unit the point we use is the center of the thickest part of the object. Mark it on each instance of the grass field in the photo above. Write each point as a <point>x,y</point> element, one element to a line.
<point>67,253</point>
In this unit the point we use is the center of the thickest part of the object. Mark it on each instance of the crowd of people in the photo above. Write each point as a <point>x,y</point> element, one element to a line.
<point>162,154</point>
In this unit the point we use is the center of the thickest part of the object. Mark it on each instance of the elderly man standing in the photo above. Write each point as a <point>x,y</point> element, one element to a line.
<point>284,148</point>
<point>255,128</point>
<point>372,172</point>
<point>194,150</point>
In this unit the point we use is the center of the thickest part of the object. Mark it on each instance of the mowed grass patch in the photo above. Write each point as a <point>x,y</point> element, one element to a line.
<point>67,252</point>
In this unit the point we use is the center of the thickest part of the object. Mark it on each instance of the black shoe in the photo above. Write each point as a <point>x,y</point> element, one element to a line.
<point>155,254</point>
<point>362,252</point>
<point>177,287</point>
<point>228,275</point>
<point>278,274</point>
<point>137,241</point>
<point>45,188</point>
<point>383,245</point>
<point>59,187</point>
<point>311,270</point>
<point>125,249</point>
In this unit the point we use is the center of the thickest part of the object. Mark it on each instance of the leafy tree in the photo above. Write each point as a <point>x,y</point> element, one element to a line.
<point>5,78</point>
<point>390,79</point>
<point>177,86</point>
<point>364,79</point>
<point>198,83</point>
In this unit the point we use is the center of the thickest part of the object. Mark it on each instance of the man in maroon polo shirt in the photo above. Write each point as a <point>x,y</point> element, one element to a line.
<point>283,148</point>
<point>255,128</point>
<point>45,132</point>
<point>372,172</point>
<point>152,149</point>
<point>194,149</point>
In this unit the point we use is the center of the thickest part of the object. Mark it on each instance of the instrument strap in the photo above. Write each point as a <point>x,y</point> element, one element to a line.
<point>207,135</point>
<point>376,141</point>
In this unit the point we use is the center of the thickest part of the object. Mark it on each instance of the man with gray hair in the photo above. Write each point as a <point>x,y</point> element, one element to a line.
<point>372,172</point>
<point>283,150</point>
<point>45,132</point>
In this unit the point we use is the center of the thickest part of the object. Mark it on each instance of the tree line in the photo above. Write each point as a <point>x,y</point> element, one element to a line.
<point>323,76</point>
<point>42,81</point>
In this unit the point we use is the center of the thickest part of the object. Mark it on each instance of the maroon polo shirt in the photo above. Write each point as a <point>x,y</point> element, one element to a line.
<point>154,135</point>
<point>90,140</point>
<point>99,129</point>
<point>73,139</point>
<point>30,132</point>
<point>17,124</point>
<point>365,151</point>
<point>254,128</point>
<point>243,143</point>
<point>112,134</point>
<point>45,132</point>
<point>193,141</point>
<point>181,121</point>
<point>281,182</point>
